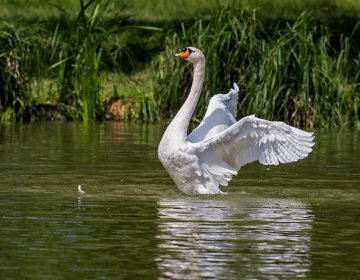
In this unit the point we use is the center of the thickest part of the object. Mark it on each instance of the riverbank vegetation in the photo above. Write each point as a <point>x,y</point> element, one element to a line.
<point>296,61</point>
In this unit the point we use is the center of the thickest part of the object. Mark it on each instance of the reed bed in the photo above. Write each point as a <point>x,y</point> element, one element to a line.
<point>79,55</point>
<point>19,71</point>
<point>289,73</point>
<point>298,71</point>
<point>61,72</point>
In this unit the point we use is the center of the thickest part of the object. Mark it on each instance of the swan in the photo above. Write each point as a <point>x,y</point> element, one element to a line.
<point>215,151</point>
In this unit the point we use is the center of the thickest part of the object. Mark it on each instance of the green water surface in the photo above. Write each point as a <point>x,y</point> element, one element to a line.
<point>300,220</point>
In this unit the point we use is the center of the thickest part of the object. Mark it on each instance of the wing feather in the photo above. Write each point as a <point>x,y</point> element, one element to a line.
<point>253,139</point>
<point>219,115</point>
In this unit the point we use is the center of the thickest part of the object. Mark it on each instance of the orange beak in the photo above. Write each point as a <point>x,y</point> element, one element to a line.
<point>183,55</point>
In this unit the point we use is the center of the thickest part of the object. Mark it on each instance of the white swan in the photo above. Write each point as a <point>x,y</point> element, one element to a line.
<point>213,152</point>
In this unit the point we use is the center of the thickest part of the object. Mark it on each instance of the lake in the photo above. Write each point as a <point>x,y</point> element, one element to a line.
<point>300,220</point>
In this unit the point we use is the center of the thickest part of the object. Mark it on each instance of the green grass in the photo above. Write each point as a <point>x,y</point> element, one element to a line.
<point>77,59</point>
<point>301,68</point>
<point>163,10</point>
<point>19,71</point>
<point>290,73</point>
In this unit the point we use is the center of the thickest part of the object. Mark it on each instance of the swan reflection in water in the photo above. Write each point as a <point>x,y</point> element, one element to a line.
<point>217,239</point>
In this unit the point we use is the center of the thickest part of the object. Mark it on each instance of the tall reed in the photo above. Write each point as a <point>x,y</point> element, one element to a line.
<point>84,53</point>
<point>289,73</point>
<point>21,64</point>
<point>79,54</point>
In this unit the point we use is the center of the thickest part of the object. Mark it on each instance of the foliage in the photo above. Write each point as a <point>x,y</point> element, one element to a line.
<point>289,73</point>
<point>299,71</point>
<point>18,70</point>
<point>80,54</point>
<point>165,11</point>
<point>75,58</point>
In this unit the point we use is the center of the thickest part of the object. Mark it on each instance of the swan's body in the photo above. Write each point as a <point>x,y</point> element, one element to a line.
<point>215,151</point>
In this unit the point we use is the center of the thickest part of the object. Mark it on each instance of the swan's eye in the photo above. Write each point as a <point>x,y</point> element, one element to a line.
<point>184,49</point>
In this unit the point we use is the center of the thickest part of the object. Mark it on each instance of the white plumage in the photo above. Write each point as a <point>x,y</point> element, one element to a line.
<point>80,190</point>
<point>215,151</point>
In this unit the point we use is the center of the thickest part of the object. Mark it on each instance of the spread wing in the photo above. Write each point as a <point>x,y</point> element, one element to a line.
<point>252,139</point>
<point>219,115</point>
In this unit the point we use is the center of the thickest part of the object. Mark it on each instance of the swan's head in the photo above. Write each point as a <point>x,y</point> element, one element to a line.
<point>191,54</point>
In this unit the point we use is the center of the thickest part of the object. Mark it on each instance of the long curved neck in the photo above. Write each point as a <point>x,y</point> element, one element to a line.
<point>182,119</point>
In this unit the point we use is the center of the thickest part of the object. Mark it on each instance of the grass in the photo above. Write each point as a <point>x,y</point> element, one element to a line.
<point>289,73</point>
<point>18,72</point>
<point>292,66</point>
<point>78,57</point>
<point>162,10</point>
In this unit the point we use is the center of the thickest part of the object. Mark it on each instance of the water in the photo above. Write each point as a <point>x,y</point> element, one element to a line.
<point>296,220</point>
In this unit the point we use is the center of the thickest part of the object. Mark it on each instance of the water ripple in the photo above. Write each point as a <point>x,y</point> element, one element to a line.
<point>218,239</point>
